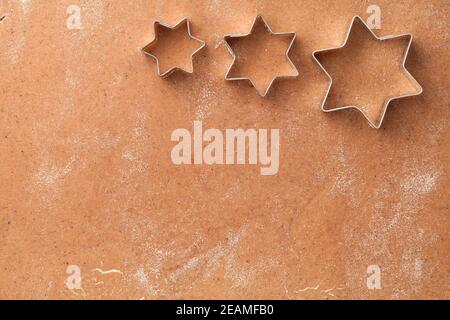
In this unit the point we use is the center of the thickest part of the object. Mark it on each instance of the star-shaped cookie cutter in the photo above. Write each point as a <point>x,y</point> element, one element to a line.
<point>156,25</point>
<point>386,104</point>
<point>228,36</point>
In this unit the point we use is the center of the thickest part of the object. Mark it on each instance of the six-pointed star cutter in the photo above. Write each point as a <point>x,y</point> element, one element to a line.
<point>258,16</point>
<point>386,104</point>
<point>156,25</point>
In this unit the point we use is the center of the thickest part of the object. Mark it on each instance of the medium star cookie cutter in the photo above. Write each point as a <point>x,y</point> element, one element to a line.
<point>266,25</point>
<point>156,25</point>
<point>388,101</point>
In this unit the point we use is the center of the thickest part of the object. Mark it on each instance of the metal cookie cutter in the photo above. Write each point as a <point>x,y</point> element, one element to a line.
<point>229,36</point>
<point>386,104</point>
<point>147,49</point>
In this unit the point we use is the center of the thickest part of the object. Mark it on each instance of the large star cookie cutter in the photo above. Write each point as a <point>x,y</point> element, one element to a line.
<point>378,124</point>
<point>156,27</point>
<point>230,36</point>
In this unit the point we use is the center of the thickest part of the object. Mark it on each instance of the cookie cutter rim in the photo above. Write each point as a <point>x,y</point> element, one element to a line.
<point>388,101</point>
<point>240,35</point>
<point>155,41</point>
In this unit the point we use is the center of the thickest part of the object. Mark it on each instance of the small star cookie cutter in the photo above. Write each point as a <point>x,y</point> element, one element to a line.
<point>239,35</point>
<point>388,101</point>
<point>156,25</point>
